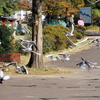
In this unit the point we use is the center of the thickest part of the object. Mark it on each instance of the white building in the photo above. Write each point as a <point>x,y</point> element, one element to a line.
<point>21,15</point>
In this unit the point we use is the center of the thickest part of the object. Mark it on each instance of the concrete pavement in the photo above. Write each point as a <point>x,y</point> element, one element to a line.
<point>81,85</point>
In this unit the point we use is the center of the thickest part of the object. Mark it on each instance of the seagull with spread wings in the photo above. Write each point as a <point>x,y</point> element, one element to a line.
<point>18,68</point>
<point>2,77</point>
<point>27,46</point>
<point>84,64</point>
<point>75,44</point>
<point>96,41</point>
<point>52,57</point>
<point>65,57</point>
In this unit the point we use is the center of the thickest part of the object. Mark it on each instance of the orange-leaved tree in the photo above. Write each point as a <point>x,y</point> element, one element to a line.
<point>26,5</point>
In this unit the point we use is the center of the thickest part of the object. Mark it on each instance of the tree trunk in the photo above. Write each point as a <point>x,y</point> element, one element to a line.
<point>36,61</point>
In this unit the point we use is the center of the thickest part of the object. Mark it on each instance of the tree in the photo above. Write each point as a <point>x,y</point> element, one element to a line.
<point>8,7</point>
<point>36,61</point>
<point>26,5</point>
<point>57,7</point>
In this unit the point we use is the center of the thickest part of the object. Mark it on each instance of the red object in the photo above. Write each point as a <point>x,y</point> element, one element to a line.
<point>3,23</point>
<point>10,57</point>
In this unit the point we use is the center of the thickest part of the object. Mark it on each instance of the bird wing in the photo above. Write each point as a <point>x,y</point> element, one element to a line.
<point>64,55</point>
<point>25,44</point>
<point>36,52</point>
<point>58,57</point>
<point>6,77</point>
<point>49,55</point>
<point>82,41</point>
<point>71,42</point>
<point>24,69</point>
<point>93,40</point>
<point>12,63</point>
<point>34,44</point>
<point>1,74</point>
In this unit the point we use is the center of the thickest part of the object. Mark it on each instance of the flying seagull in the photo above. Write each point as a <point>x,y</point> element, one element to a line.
<point>19,68</point>
<point>2,77</point>
<point>96,41</point>
<point>75,44</point>
<point>27,46</point>
<point>52,57</point>
<point>84,64</point>
<point>65,57</point>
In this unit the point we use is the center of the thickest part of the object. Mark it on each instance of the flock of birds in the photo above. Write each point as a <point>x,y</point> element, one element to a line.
<point>27,47</point>
<point>84,64</point>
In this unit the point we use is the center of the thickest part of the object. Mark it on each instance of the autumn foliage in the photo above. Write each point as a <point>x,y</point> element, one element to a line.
<point>26,5</point>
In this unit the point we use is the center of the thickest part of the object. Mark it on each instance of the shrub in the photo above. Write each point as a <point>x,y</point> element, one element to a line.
<point>81,29</point>
<point>54,38</point>
<point>6,39</point>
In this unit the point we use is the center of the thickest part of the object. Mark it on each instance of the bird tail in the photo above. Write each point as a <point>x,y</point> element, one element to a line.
<point>6,77</point>
<point>36,52</point>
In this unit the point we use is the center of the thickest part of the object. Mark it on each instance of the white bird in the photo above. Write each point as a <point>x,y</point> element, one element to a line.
<point>65,57</point>
<point>75,44</point>
<point>84,64</point>
<point>19,68</point>
<point>27,45</point>
<point>2,77</point>
<point>52,57</point>
<point>24,69</point>
<point>96,41</point>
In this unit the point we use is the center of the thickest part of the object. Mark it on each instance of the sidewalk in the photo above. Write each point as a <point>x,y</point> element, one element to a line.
<point>92,37</point>
<point>81,85</point>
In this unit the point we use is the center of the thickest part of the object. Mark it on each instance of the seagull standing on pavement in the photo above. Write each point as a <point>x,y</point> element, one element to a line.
<point>84,64</point>
<point>27,45</point>
<point>2,77</point>
<point>65,57</point>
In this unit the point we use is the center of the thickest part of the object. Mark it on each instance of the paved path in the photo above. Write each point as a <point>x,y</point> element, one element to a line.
<point>81,85</point>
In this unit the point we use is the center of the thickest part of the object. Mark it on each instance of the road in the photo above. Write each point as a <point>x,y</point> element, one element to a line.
<point>81,85</point>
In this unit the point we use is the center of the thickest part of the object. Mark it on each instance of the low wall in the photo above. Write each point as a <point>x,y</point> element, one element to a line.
<point>93,33</point>
<point>10,57</point>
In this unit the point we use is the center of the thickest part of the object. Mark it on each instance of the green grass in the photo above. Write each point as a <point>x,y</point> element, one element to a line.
<point>47,71</point>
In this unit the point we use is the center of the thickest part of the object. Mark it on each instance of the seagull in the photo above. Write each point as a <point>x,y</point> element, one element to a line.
<point>2,77</point>
<point>19,68</point>
<point>75,44</point>
<point>27,45</point>
<point>84,64</point>
<point>15,66</point>
<point>52,57</point>
<point>24,69</point>
<point>65,57</point>
<point>96,41</point>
